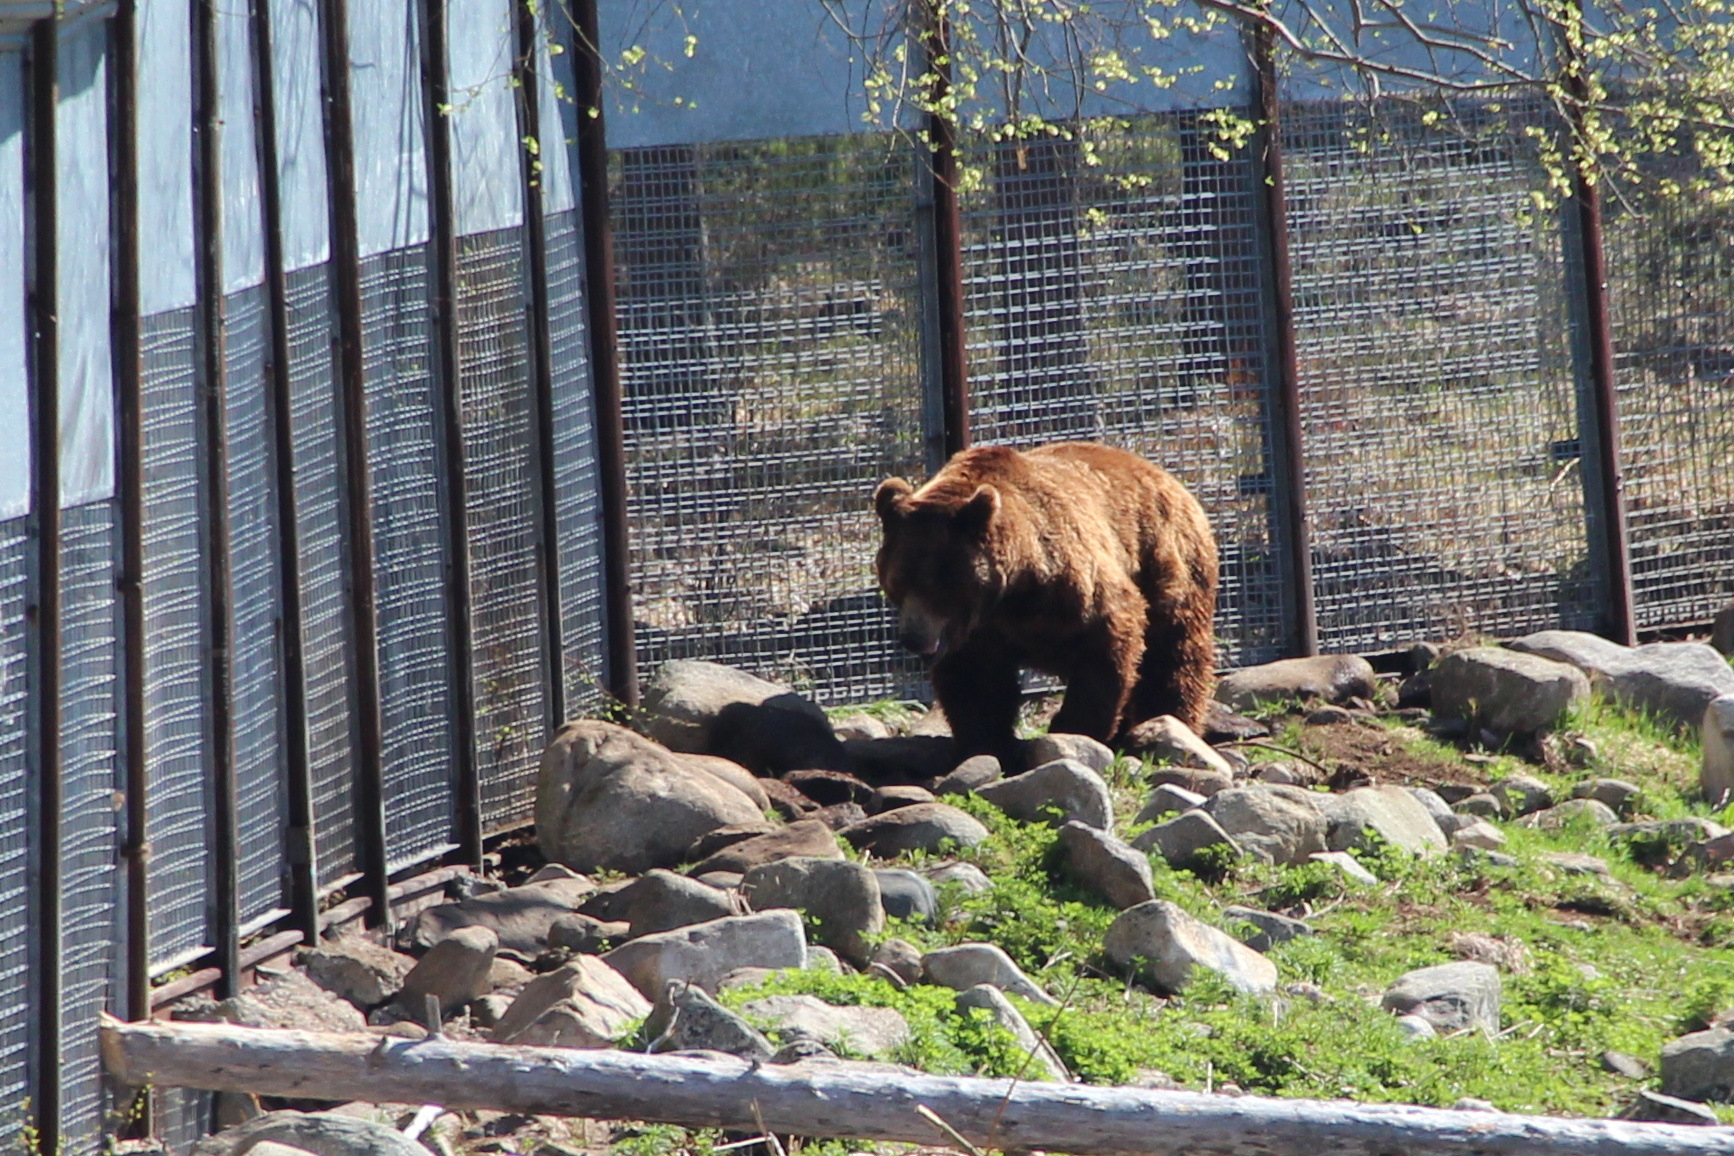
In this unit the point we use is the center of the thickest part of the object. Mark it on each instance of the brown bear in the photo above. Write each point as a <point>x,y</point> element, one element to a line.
<point>1079,560</point>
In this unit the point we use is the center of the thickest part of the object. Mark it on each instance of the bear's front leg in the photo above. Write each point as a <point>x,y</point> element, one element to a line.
<point>1104,670</point>
<point>979,688</point>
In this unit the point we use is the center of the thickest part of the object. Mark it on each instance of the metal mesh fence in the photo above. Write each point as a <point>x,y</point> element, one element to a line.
<point>176,693</point>
<point>409,557</point>
<point>15,829</point>
<point>255,581</point>
<point>577,504</point>
<point>90,894</point>
<point>1439,400</point>
<point>505,599</point>
<point>1671,302</point>
<point>325,640</point>
<point>770,332</point>
<point>1123,301</point>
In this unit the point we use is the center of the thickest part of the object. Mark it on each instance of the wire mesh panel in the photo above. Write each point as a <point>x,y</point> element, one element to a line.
<point>325,640</point>
<point>1438,395</point>
<point>15,830</point>
<point>409,557</point>
<point>505,624</point>
<point>90,895</point>
<point>769,327</point>
<point>1123,301</point>
<point>577,475</point>
<point>1671,300</point>
<point>255,580</point>
<point>176,688</point>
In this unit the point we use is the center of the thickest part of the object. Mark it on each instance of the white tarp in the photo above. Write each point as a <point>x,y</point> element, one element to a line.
<point>82,305</point>
<point>386,101</point>
<point>558,116</point>
<point>165,152</point>
<point>301,191</point>
<point>486,186</point>
<point>238,149</point>
<point>14,385</point>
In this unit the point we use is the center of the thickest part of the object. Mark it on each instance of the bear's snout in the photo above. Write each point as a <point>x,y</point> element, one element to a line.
<point>919,629</point>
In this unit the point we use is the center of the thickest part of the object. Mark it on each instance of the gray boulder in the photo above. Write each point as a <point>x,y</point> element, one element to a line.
<point>1722,631</point>
<point>1043,1059</point>
<point>1700,1066</point>
<point>1194,780</point>
<point>1508,692</point>
<point>924,827</point>
<point>1262,930</point>
<point>687,1019</point>
<point>581,1004</point>
<point>1044,749</point>
<point>707,708</point>
<point>1656,1108</point>
<point>973,773</point>
<point>802,839</point>
<point>1390,813</point>
<point>1331,677</point>
<point>841,898</point>
<point>967,877</point>
<point>1064,785</point>
<point>1102,864</point>
<point>1674,679</point>
<point>662,901</point>
<point>967,964</point>
<point>1450,996</point>
<point>1167,799</point>
<point>1347,865</point>
<point>289,1000</point>
<point>1570,811</point>
<point>706,952</point>
<point>1180,840</point>
<point>1481,805</point>
<point>1716,779</point>
<point>519,917</point>
<point>729,772</point>
<point>1162,941</point>
<point>607,798</point>
<point>457,970</point>
<point>1479,833</point>
<point>1281,825</point>
<point>1168,740</point>
<point>1520,795</point>
<point>357,969</point>
<point>907,895</point>
<point>1617,795</point>
<point>585,934</point>
<point>873,1033</point>
<point>1435,806</point>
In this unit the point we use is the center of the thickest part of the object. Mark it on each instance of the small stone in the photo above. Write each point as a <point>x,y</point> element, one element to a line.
<point>1326,716</point>
<point>455,969</point>
<point>1330,677</point>
<point>1168,740</point>
<point>1048,748</point>
<point>991,1000</point>
<point>1451,996</point>
<point>1677,680</point>
<point>975,771</point>
<point>1222,725</point>
<point>841,898</point>
<point>582,1004</point>
<point>1479,833</point>
<point>1192,779</point>
<point>687,1019</point>
<point>357,969</point>
<point>1434,805</point>
<point>873,1033</point>
<point>1659,1109</point>
<point>1064,788</point>
<point>1571,811</point>
<point>586,935</point>
<point>930,827</point>
<point>901,958</point>
<point>907,895</point>
<point>1574,863</point>
<point>1416,1028</point>
<point>1388,814</point>
<point>1507,692</point>
<point>1262,930</point>
<point>1620,1064</point>
<point>1482,805</point>
<point>1167,799</point>
<point>967,964</point>
<point>1716,779</point>
<point>662,901</point>
<point>1280,825</point>
<point>805,839</point>
<point>1181,839</point>
<point>890,798</point>
<point>508,975</point>
<point>1699,1066</point>
<point>1283,774</point>
<point>705,707</point>
<point>1164,942</point>
<point>1347,864</point>
<point>1520,794</point>
<point>711,842</point>
<point>705,952</point>
<point>1100,863</point>
<point>1616,794</point>
<point>861,726</point>
<point>967,877</point>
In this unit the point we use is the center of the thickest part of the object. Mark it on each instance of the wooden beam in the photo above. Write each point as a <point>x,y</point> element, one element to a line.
<point>846,1100</point>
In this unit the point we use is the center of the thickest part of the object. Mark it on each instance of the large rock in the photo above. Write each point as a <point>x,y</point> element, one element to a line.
<point>707,708</point>
<point>962,967</point>
<point>1065,786</point>
<point>1570,811</point>
<point>805,838</point>
<point>1510,693</point>
<point>519,917</point>
<point>731,773</point>
<point>1716,780</point>
<point>1390,813</point>
<point>609,799</point>
<point>1659,1109</point>
<point>662,901</point>
<point>974,772</point>
<point>581,1004</point>
<point>687,1019</point>
<point>1165,943</point>
<point>906,895</point>
<point>872,1033</point>
<point>1522,794</point>
<point>1180,840</point>
<point>1262,930</point>
<point>457,970</point>
<point>1450,996</point>
<point>924,827</point>
<point>1700,1066</point>
<point>1049,748</point>
<point>840,897</point>
<point>1331,677</point>
<point>1167,799</point>
<point>1279,824</point>
<point>706,952</point>
<point>1102,864</point>
<point>1001,1011</point>
<point>1674,679</point>
<point>359,970</point>
<point>1168,740</point>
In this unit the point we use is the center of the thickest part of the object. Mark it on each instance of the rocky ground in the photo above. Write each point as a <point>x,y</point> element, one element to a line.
<point>1500,883</point>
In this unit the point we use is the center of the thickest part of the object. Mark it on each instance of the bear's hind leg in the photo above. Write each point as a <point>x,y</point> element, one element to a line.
<point>980,690</point>
<point>1175,677</point>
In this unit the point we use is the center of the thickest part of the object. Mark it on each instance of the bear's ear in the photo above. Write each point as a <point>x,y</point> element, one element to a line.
<point>975,515</point>
<point>888,498</point>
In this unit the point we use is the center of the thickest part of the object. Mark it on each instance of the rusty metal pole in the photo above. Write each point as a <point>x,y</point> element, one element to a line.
<point>1288,448</point>
<point>947,235</point>
<point>599,294</point>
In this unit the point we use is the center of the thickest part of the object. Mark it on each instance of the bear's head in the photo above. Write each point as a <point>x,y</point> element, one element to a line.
<point>934,564</point>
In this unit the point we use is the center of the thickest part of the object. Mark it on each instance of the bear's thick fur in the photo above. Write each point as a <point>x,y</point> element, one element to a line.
<point>1075,559</point>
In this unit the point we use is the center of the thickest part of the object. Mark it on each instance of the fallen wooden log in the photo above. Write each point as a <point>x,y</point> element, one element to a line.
<point>869,1102</point>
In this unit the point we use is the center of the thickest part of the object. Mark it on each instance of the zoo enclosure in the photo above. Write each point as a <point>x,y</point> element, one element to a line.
<point>365,410</point>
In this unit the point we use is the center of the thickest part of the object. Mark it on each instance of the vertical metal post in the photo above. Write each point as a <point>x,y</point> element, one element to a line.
<point>208,274</point>
<point>356,488</point>
<point>599,295</point>
<point>1609,499</point>
<point>453,488</point>
<point>41,229</point>
<point>1288,451</point>
<point>529,86</point>
<point>947,235</point>
<point>129,482</point>
<point>303,899</point>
